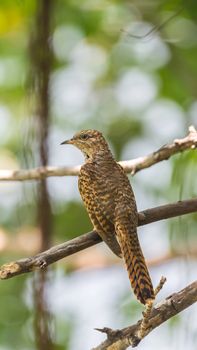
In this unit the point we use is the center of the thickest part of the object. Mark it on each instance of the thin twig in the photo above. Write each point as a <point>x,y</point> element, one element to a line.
<point>130,166</point>
<point>89,239</point>
<point>160,285</point>
<point>156,28</point>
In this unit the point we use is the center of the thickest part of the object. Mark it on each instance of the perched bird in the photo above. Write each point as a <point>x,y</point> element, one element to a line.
<point>110,202</point>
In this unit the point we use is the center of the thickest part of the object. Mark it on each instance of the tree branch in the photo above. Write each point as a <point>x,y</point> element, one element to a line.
<point>89,239</point>
<point>130,166</point>
<point>163,311</point>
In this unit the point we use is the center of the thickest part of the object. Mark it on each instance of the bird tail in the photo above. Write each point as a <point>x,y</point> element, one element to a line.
<point>135,263</point>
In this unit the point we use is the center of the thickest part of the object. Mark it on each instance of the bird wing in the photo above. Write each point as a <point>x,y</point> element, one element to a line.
<point>97,199</point>
<point>126,219</point>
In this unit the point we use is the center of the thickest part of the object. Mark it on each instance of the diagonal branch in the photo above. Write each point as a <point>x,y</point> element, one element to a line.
<point>163,311</point>
<point>130,166</point>
<point>89,239</point>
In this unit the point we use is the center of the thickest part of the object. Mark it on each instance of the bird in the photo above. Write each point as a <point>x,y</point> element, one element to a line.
<point>110,202</point>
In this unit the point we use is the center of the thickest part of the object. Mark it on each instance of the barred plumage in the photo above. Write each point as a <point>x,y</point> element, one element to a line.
<point>135,263</point>
<point>110,202</point>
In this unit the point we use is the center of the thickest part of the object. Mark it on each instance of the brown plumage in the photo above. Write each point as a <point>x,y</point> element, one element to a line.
<point>110,202</point>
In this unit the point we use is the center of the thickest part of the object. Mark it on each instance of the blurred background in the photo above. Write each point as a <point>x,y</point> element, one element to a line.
<point>127,68</point>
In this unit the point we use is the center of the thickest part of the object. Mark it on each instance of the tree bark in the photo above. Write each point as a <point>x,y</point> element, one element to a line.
<point>130,166</point>
<point>121,339</point>
<point>87,240</point>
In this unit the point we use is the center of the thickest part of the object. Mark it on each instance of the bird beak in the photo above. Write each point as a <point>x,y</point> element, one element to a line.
<point>67,142</point>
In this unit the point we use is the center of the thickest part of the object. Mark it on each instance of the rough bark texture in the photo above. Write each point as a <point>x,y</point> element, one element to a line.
<point>87,240</point>
<point>130,166</point>
<point>41,66</point>
<point>121,339</point>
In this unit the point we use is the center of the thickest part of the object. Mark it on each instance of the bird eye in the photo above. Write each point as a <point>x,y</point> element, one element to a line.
<point>84,136</point>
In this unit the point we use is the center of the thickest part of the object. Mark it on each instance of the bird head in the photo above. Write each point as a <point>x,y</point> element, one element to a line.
<point>90,142</point>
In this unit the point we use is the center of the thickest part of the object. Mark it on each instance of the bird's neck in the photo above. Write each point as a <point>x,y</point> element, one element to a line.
<point>100,157</point>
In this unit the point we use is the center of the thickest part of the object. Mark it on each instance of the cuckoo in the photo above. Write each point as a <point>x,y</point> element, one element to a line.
<point>110,202</point>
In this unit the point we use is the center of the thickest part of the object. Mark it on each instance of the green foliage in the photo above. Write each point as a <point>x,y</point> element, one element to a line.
<point>182,232</point>
<point>14,314</point>
<point>96,74</point>
<point>121,130</point>
<point>130,310</point>
<point>71,221</point>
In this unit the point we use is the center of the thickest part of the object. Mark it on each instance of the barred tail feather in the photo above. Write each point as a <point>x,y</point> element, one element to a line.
<point>136,265</point>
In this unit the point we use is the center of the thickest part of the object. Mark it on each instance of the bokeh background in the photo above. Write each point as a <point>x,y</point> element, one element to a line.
<point>129,69</point>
